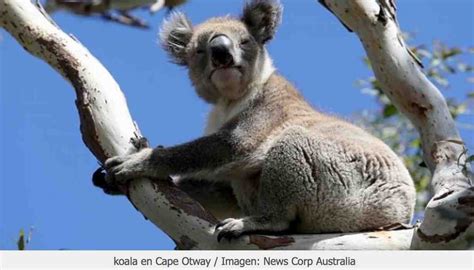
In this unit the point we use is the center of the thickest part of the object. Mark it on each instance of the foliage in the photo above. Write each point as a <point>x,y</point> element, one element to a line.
<point>442,63</point>
<point>23,240</point>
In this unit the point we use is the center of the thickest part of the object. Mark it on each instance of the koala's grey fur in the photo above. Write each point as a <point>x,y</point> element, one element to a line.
<point>289,166</point>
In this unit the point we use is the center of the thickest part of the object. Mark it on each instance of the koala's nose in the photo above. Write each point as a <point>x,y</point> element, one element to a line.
<point>220,47</point>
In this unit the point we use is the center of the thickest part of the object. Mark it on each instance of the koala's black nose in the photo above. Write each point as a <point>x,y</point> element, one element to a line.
<point>220,48</point>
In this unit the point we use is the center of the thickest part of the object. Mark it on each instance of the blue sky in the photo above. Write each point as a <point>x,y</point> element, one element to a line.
<point>45,169</point>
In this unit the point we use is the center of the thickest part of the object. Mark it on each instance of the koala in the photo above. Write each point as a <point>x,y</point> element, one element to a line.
<point>289,166</point>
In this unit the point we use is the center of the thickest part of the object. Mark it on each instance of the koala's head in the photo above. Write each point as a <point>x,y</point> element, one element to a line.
<point>224,55</point>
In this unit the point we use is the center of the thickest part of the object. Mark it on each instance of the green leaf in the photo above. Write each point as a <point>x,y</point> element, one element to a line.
<point>441,81</point>
<point>389,110</point>
<point>457,109</point>
<point>445,54</point>
<point>370,91</point>
<point>21,240</point>
<point>367,62</point>
<point>416,143</point>
<point>470,159</point>
<point>463,67</point>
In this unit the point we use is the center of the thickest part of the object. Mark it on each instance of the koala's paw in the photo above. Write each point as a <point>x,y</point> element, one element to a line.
<point>138,144</point>
<point>231,228</point>
<point>120,169</point>
<point>99,180</point>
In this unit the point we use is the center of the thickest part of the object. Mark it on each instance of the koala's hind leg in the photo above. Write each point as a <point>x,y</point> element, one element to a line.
<point>215,196</point>
<point>235,227</point>
<point>283,185</point>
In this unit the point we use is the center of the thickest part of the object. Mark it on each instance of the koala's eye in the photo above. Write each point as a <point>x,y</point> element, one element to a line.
<point>245,41</point>
<point>200,51</point>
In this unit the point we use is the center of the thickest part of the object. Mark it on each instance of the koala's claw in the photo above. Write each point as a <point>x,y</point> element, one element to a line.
<point>139,143</point>
<point>228,235</point>
<point>120,169</point>
<point>230,229</point>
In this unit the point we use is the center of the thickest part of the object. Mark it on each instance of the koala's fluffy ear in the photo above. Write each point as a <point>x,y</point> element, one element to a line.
<point>262,18</point>
<point>175,34</point>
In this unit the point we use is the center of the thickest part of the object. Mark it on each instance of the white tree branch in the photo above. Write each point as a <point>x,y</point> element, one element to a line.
<point>450,214</point>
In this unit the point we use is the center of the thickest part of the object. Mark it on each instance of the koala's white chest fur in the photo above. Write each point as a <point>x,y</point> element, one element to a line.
<point>223,111</point>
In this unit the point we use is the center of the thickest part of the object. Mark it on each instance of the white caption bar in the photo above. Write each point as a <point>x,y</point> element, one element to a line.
<point>453,260</point>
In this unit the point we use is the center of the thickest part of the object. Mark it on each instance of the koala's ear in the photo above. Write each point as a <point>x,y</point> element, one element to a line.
<point>262,18</point>
<point>175,34</point>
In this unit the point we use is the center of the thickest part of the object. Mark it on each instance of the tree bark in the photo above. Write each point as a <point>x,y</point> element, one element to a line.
<point>107,129</point>
<point>449,215</point>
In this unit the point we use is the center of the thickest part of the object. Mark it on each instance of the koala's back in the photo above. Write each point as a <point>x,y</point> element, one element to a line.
<point>326,174</point>
<point>335,185</point>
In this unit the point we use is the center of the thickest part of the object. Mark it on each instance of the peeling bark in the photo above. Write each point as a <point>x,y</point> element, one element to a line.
<point>264,242</point>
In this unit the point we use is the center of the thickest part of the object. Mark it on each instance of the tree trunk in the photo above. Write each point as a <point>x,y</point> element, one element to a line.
<point>107,129</point>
